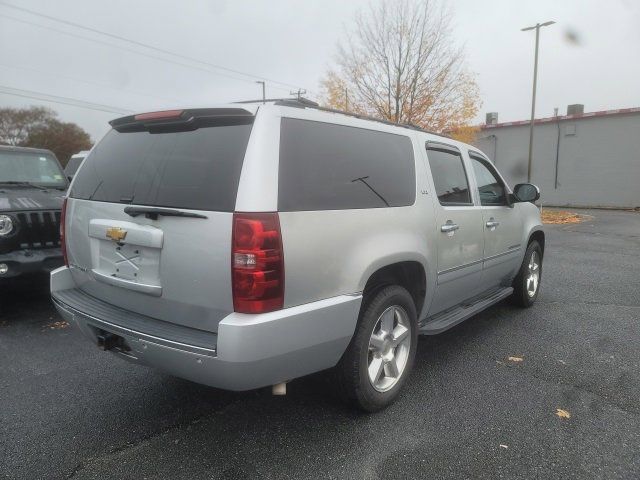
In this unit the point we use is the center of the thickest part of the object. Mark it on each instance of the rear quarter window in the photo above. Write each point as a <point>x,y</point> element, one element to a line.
<point>197,169</point>
<point>325,166</point>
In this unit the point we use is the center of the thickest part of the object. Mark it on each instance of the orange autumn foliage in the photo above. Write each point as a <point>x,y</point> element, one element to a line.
<point>400,65</point>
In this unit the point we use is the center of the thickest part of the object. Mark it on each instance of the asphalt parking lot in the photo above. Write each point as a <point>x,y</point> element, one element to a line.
<point>68,410</point>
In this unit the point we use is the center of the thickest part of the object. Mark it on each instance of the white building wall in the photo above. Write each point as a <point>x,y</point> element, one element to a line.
<point>598,161</point>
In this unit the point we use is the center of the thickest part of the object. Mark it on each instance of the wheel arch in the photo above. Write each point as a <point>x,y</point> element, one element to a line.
<point>537,235</point>
<point>409,274</point>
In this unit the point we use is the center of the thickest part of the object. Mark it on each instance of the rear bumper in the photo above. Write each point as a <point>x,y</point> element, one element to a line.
<point>31,261</point>
<point>248,351</point>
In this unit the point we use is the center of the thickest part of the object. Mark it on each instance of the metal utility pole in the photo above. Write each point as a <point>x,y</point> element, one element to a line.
<point>537,27</point>
<point>264,96</point>
<point>346,100</point>
<point>299,93</point>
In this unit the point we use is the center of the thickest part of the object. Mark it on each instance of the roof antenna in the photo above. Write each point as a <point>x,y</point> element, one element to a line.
<point>264,96</point>
<point>299,93</point>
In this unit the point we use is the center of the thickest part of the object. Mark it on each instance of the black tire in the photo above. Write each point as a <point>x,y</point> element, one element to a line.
<point>521,297</point>
<point>352,371</point>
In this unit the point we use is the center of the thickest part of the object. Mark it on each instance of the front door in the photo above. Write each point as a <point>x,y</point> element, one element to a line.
<point>459,229</point>
<point>502,226</point>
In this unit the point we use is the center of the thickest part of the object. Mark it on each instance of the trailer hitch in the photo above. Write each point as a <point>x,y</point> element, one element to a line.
<point>109,341</point>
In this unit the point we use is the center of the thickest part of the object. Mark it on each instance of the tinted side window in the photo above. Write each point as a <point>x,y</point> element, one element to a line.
<point>492,191</point>
<point>449,176</point>
<point>333,167</point>
<point>197,169</point>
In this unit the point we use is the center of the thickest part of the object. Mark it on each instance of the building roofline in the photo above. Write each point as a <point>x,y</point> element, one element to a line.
<point>579,116</point>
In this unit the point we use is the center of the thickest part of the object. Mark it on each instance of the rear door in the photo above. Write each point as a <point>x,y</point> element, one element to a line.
<point>502,225</point>
<point>150,215</point>
<point>458,228</point>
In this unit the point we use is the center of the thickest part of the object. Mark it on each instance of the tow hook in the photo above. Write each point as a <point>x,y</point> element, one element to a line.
<point>108,341</point>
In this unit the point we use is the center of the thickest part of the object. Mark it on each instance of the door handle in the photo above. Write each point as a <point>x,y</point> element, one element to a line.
<point>492,223</point>
<point>449,227</point>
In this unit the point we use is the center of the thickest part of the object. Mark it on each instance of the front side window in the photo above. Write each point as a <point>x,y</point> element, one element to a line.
<point>27,167</point>
<point>325,166</point>
<point>449,176</point>
<point>490,187</point>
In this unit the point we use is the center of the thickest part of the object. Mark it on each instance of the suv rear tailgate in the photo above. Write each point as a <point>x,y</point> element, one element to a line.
<point>173,266</point>
<point>174,269</point>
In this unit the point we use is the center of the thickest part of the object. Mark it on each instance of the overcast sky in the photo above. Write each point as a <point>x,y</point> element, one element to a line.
<point>293,42</point>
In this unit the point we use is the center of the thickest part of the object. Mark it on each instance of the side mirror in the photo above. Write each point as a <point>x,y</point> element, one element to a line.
<point>69,177</point>
<point>526,192</point>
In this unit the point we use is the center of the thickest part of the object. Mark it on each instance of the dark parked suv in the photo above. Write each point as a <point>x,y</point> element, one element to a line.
<point>32,187</point>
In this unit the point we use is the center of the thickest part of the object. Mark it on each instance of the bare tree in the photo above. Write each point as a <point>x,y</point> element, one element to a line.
<point>400,64</point>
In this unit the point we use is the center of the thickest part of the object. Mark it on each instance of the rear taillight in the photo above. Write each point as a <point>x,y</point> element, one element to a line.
<point>257,263</point>
<point>63,242</point>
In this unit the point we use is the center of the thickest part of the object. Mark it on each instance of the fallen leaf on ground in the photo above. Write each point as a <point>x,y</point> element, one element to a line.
<point>563,413</point>
<point>515,359</point>
<point>503,446</point>
<point>57,325</point>
<point>556,217</point>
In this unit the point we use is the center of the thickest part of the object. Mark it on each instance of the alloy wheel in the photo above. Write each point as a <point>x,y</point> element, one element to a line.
<point>389,348</point>
<point>533,275</point>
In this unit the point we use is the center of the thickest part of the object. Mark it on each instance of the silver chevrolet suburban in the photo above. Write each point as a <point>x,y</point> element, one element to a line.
<point>250,244</point>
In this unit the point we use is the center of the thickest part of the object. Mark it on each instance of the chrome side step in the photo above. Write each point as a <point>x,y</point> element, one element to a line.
<point>450,318</point>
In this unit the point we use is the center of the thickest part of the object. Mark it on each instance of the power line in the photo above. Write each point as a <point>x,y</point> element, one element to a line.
<point>89,82</point>
<point>17,92</point>
<point>155,57</point>
<point>145,45</point>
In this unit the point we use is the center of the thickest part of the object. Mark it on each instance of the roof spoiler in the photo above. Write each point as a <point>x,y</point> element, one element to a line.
<point>181,120</point>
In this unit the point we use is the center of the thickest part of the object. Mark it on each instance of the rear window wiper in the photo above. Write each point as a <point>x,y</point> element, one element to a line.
<point>154,212</point>
<point>22,184</point>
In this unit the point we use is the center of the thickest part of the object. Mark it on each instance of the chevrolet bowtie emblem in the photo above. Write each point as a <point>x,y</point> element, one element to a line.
<point>116,234</point>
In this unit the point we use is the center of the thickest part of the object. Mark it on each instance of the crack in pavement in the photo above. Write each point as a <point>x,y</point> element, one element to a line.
<point>145,438</point>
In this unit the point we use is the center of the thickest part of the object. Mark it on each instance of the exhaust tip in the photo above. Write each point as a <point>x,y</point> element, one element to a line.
<point>279,389</point>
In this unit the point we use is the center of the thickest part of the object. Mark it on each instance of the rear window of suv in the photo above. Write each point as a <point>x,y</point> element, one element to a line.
<point>197,170</point>
<point>325,166</point>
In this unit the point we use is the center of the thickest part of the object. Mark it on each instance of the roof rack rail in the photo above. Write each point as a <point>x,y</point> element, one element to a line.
<point>305,103</point>
<point>291,102</point>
